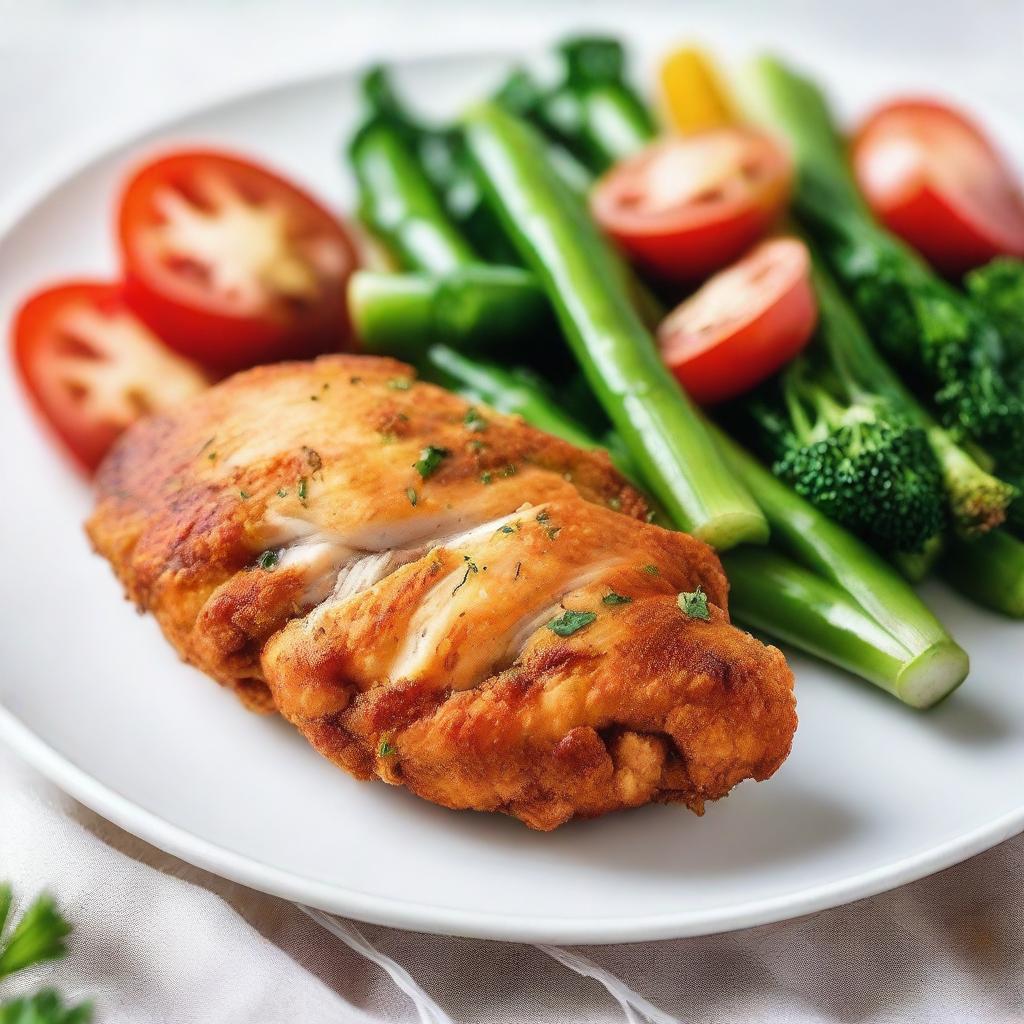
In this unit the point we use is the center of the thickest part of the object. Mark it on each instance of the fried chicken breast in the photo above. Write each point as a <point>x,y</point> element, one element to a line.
<point>438,595</point>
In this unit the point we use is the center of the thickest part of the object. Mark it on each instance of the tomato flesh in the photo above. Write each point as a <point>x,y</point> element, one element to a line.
<point>933,178</point>
<point>743,324</point>
<point>685,207</point>
<point>230,263</point>
<point>92,368</point>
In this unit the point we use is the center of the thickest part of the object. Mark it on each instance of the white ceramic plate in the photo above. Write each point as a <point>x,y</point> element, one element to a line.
<point>874,795</point>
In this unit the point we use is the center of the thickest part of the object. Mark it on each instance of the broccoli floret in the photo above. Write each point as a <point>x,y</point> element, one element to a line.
<point>854,456</point>
<point>998,288</point>
<point>942,339</point>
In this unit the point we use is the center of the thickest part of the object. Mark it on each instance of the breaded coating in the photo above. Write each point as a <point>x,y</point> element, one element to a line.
<point>438,595</point>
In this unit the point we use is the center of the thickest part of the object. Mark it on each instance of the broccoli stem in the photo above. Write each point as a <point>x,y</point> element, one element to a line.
<point>584,282</point>
<point>989,571</point>
<point>977,500</point>
<point>476,307</point>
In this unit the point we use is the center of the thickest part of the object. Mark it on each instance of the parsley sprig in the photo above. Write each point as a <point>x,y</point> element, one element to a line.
<point>38,936</point>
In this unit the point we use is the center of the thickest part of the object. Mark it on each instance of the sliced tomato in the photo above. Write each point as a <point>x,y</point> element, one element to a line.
<point>685,207</point>
<point>92,368</point>
<point>231,264</point>
<point>933,177</point>
<point>742,325</point>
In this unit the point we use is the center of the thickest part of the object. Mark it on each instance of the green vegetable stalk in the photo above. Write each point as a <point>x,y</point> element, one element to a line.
<point>920,664</point>
<point>398,203</point>
<point>561,245</point>
<point>989,571</point>
<point>476,307</point>
<point>593,111</point>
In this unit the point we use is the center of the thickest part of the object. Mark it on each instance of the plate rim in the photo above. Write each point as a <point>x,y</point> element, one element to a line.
<point>381,910</point>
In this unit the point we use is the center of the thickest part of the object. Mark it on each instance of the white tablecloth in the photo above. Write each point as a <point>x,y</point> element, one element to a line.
<point>156,940</point>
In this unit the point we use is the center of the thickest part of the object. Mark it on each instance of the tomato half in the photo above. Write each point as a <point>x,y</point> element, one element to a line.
<point>230,264</point>
<point>92,368</point>
<point>684,207</point>
<point>742,325</point>
<point>932,177</point>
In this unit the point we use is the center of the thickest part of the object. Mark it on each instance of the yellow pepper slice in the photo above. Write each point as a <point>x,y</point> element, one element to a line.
<point>693,92</point>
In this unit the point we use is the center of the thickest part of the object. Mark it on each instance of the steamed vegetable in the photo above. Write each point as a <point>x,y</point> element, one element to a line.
<point>476,307</point>
<point>585,285</point>
<point>398,203</point>
<point>594,111</point>
<point>989,571</point>
<point>926,663</point>
<point>853,455</point>
<point>941,340</point>
<point>692,92</point>
<point>977,500</point>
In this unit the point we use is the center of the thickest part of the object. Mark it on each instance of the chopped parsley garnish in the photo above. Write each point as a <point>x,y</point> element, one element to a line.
<point>430,458</point>
<point>244,495</point>
<point>509,470</point>
<point>302,490</point>
<point>508,529</point>
<point>475,446</point>
<point>694,605</point>
<point>410,493</point>
<point>543,517</point>
<point>486,478</point>
<point>553,532</point>
<point>268,560</point>
<point>652,570</point>
<point>399,383</point>
<point>473,419</point>
<point>386,748</point>
<point>212,456</point>
<point>571,622</point>
<point>471,567</point>
<point>282,492</point>
<point>614,598</point>
<point>313,458</point>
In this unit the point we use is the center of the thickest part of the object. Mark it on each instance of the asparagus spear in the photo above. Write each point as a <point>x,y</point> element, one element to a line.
<point>989,570</point>
<point>594,111</point>
<point>398,204</point>
<point>475,307</point>
<point>568,256</point>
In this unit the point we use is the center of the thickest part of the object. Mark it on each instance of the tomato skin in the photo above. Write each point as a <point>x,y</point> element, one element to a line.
<point>759,327</point>
<point>41,348</point>
<point>933,178</point>
<point>687,240</point>
<point>203,325</point>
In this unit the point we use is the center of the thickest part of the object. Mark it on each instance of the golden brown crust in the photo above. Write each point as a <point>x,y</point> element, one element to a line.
<point>401,622</point>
